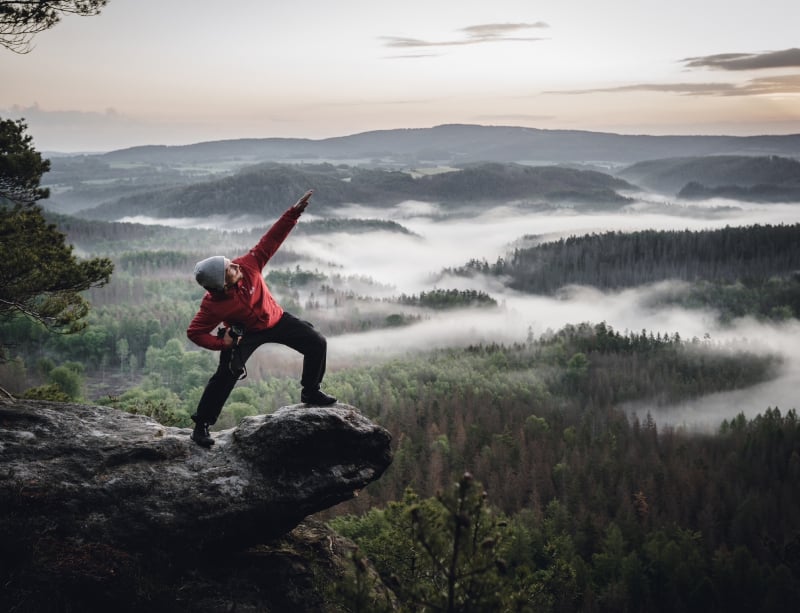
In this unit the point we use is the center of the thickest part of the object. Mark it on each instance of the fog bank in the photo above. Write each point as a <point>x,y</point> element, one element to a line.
<point>409,264</point>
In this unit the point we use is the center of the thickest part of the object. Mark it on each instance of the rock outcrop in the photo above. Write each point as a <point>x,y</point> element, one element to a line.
<point>96,491</point>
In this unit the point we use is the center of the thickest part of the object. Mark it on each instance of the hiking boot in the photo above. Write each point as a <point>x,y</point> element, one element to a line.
<point>316,397</point>
<point>201,436</point>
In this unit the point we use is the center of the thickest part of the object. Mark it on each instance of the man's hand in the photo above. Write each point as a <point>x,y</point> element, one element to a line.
<point>228,341</point>
<point>301,204</point>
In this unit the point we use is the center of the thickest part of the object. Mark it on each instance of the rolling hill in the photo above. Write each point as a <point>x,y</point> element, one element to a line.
<point>270,188</point>
<point>457,143</point>
<point>672,175</point>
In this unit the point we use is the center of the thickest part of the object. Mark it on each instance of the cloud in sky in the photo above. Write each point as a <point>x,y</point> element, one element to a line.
<point>56,130</point>
<point>783,84</point>
<point>691,89</point>
<point>779,84</point>
<point>406,56</point>
<point>471,35</point>
<point>96,129</point>
<point>786,58</point>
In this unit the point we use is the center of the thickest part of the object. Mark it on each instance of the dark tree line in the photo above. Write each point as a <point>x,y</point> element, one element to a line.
<point>616,259</point>
<point>448,299</point>
<point>750,193</point>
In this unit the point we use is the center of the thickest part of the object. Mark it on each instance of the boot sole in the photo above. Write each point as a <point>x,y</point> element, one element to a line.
<point>319,404</point>
<point>203,442</point>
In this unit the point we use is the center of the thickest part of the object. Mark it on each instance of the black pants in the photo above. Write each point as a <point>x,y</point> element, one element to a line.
<point>290,331</point>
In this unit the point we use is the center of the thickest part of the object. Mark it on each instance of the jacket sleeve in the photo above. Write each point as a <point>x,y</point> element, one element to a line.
<point>274,237</point>
<point>201,329</point>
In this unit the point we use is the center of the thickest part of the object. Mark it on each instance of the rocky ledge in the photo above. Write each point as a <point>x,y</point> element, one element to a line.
<point>91,491</point>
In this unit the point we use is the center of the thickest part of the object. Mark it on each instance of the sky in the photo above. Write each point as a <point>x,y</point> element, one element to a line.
<point>186,71</point>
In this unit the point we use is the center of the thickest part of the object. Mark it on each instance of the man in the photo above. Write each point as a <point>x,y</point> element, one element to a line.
<point>239,299</point>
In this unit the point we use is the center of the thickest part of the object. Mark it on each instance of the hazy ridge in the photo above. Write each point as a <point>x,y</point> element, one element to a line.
<point>380,169</point>
<point>674,174</point>
<point>459,142</point>
<point>266,189</point>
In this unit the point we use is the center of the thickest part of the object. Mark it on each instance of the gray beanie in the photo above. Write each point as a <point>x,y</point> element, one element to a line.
<point>210,273</point>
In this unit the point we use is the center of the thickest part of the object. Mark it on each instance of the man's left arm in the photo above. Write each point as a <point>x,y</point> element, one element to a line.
<point>202,329</point>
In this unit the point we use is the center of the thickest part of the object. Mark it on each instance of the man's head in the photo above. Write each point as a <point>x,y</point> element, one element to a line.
<point>216,273</point>
<point>210,273</point>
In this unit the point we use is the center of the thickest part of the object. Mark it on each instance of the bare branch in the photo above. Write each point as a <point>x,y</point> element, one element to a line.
<point>21,21</point>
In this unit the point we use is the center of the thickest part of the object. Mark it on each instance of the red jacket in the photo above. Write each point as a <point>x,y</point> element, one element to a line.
<point>249,303</point>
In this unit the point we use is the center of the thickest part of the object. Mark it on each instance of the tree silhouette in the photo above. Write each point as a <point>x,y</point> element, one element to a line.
<point>21,21</point>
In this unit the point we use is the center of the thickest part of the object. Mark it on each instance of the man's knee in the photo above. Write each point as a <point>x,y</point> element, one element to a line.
<point>223,377</point>
<point>316,339</point>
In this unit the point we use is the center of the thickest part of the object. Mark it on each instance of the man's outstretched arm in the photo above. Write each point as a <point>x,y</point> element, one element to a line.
<point>275,236</point>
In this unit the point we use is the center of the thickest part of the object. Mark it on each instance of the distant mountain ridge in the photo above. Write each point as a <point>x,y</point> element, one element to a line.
<point>468,143</point>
